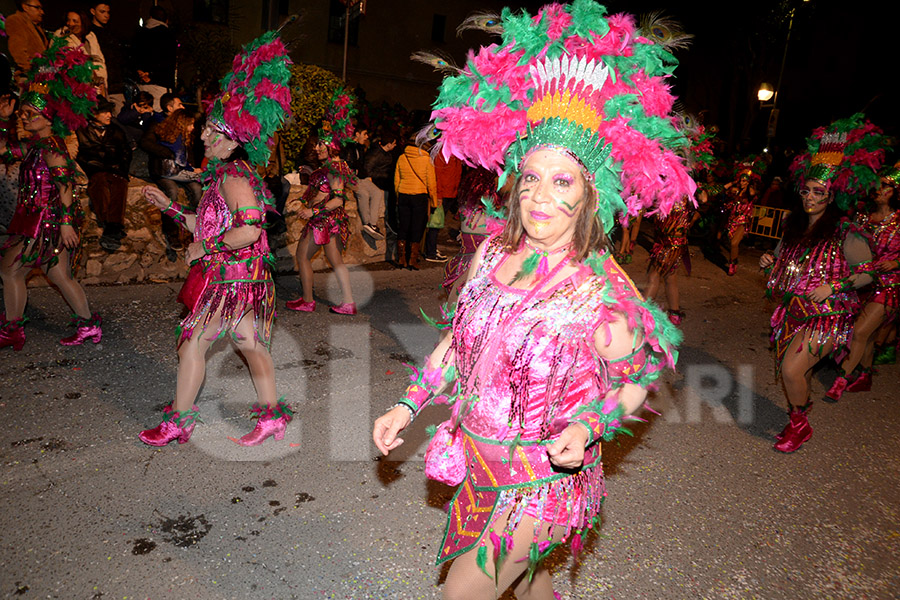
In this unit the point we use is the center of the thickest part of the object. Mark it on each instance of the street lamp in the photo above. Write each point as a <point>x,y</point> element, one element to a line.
<point>766,92</point>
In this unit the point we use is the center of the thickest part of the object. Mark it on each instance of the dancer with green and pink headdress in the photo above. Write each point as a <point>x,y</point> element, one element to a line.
<point>45,230</point>
<point>820,262</point>
<point>328,225</point>
<point>551,347</point>
<point>229,290</point>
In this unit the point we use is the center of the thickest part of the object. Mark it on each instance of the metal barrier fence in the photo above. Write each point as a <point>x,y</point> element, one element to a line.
<point>767,221</point>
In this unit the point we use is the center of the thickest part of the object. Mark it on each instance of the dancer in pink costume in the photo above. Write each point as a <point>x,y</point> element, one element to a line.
<point>550,347</point>
<point>229,290</point>
<point>881,301</point>
<point>45,229</point>
<point>742,194</point>
<point>479,205</point>
<point>670,250</point>
<point>328,225</point>
<point>820,262</point>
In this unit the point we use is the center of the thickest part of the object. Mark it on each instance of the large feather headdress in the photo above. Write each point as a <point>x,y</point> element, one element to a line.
<point>569,78</point>
<point>846,155</point>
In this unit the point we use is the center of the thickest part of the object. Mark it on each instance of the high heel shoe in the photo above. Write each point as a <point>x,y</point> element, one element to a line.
<point>12,333</point>
<point>88,329</point>
<point>301,305</point>
<point>347,308</point>
<point>175,426</point>
<point>270,421</point>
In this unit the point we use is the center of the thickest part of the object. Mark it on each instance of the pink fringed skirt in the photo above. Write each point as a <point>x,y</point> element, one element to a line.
<point>518,481</point>
<point>329,223</point>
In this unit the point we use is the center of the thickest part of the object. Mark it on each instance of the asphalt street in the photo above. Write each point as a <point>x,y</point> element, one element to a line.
<point>699,506</point>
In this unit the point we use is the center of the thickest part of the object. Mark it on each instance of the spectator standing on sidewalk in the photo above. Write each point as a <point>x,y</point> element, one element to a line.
<point>369,197</point>
<point>447,173</point>
<point>154,52</point>
<point>79,36</point>
<point>416,188</point>
<point>26,36</point>
<point>111,48</point>
<point>105,156</point>
<point>380,162</point>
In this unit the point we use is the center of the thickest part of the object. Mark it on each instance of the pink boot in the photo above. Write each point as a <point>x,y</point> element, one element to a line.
<point>12,333</point>
<point>269,422</point>
<point>676,316</point>
<point>732,268</point>
<point>175,425</point>
<point>88,329</point>
<point>301,305</point>
<point>797,432</point>
<point>863,383</point>
<point>837,389</point>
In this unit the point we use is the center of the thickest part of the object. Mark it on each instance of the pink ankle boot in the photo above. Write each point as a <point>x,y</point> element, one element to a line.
<point>863,383</point>
<point>88,329</point>
<point>837,389</point>
<point>175,425</point>
<point>797,432</point>
<point>12,333</point>
<point>270,421</point>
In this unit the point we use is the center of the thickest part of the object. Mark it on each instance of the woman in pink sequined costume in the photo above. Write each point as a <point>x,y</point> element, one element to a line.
<point>479,204</point>
<point>881,301</point>
<point>45,228</point>
<point>550,347</point>
<point>818,265</point>
<point>230,290</point>
<point>327,227</point>
<point>739,205</point>
<point>669,251</point>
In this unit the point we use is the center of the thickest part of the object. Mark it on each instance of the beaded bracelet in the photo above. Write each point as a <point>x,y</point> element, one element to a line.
<point>412,413</point>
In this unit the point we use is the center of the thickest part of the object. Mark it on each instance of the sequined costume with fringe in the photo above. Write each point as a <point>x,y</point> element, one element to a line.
<point>237,281</point>
<point>671,244</point>
<point>526,368</point>
<point>739,209</point>
<point>328,222</point>
<point>797,272</point>
<point>884,241</point>
<point>39,212</point>
<point>479,202</point>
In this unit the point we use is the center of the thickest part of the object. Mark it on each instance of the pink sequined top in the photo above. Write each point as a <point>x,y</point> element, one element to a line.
<point>214,218</point>
<point>39,202</point>
<point>525,366</point>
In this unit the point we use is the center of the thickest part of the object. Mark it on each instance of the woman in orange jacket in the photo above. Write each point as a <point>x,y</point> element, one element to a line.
<point>416,188</point>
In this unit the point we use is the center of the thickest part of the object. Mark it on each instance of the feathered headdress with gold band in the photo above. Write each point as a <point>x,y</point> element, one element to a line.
<point>256,96</point>
<point>59,85</point>
<point>571,79</point>
<point>846,155</point>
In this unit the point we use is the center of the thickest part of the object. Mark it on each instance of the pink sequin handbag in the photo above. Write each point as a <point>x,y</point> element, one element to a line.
<point>445,458</point>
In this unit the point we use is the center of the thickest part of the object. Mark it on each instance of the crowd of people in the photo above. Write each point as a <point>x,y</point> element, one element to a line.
<point>547,347</point>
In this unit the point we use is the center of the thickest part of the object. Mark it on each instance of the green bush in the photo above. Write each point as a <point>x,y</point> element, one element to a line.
<point>311,90</point>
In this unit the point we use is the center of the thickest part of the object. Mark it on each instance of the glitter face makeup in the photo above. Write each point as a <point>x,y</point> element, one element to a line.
<point>815,197</point>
